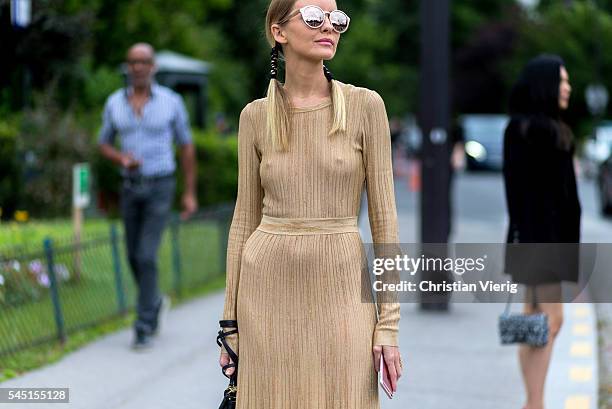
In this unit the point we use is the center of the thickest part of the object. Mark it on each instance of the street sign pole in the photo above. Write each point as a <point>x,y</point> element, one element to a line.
<point>80,200</point>
<point>434,121</point>
<point>21,13</point>
<point>21,17</point>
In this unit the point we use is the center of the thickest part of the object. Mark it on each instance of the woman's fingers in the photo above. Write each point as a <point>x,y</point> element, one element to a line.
<point>398,367</point>
<point>224,359</point>
<point>376,351</point>
<point>391,357</point>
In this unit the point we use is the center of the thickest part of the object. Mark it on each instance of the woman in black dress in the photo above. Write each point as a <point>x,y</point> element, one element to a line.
<point>542,202</point>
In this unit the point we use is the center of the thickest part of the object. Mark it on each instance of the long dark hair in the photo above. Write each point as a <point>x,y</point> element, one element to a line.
<point>535,96</point>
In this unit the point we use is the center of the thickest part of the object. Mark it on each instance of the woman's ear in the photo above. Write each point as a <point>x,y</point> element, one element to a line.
<point>278,33</point>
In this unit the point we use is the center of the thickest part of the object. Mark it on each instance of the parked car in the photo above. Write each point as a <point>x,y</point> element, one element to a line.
<point>483,136</point>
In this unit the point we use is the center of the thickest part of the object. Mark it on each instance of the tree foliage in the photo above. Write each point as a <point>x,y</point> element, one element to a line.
<point>79,44</point>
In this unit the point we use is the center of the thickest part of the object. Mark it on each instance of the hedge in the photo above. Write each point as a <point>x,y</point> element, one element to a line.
<point>10,170</point>
<point>217,160</point>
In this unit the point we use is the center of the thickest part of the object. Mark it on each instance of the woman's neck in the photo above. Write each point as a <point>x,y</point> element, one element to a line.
<point>305,80</point>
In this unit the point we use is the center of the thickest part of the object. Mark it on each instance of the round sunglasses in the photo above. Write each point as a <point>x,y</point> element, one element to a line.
<point>314,17</point>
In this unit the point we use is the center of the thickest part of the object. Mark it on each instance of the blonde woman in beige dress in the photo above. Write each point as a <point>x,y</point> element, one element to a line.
<point>306,337</point>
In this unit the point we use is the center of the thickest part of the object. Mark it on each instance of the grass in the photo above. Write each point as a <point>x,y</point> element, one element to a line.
<point>30,235</point>
<point>90,305</point>
<point>21,362</point>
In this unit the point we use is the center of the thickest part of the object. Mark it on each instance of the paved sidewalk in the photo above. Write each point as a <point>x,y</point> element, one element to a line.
<point>452,360</point>
<point>180,372</point>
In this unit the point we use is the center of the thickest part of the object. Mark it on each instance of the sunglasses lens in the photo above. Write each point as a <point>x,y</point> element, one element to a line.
<point>313,17</point>
<point>339,20</point>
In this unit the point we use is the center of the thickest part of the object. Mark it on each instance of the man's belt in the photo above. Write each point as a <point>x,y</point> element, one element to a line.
<point>147,178</point>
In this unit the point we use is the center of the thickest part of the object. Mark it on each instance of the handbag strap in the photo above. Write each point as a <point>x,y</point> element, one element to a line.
<point>222,342</point>
<point>534,300</point>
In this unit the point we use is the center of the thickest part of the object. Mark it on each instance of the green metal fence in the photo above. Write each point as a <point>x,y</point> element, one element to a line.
<point>61,287</point>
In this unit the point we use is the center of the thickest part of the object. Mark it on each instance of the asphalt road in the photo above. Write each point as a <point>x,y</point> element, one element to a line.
<point>479,198</point>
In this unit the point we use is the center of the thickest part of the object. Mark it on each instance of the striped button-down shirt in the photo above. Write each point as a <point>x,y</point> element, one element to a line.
<point>148,138</point>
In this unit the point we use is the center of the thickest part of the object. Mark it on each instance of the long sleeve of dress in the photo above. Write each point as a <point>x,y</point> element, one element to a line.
<point>247,214</point>
<point>381,209</point>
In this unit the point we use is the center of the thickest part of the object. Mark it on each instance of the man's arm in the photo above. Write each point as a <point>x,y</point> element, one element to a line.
<point>188,163</point>
<point>106,141</point>
<point>115,156</point>
<point>183,138</point>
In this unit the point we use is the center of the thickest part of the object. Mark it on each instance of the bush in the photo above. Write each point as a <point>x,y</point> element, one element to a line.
<point>10,170</point>
<point>107,180</point>
<point>217,158</point>
<point>25,282</point>
<point>52,142</point>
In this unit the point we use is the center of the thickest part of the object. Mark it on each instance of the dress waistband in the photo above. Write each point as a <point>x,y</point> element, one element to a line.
<point>302,226</point>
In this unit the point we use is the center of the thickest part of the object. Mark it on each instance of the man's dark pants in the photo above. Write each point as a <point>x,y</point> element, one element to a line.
<point>145,206</point>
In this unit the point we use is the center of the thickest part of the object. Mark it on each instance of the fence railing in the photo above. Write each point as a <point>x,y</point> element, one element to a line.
<point>47,294</point>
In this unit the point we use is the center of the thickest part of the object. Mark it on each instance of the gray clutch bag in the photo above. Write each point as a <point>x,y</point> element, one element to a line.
<point>531,329</point>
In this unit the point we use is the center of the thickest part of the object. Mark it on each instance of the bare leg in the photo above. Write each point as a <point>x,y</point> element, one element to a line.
<point>535,360</point>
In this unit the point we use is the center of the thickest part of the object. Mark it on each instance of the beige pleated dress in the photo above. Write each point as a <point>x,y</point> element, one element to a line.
<point>295,258</point>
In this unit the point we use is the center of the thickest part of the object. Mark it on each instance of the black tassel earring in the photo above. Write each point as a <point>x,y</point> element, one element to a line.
<point>274,61</point>
<point>328,74</point>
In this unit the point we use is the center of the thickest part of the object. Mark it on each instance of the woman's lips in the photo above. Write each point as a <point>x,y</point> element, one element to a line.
<point>326,42</point>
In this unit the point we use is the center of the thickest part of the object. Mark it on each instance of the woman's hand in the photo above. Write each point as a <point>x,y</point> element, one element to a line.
<point>225,359</point>
<point>392,358</point>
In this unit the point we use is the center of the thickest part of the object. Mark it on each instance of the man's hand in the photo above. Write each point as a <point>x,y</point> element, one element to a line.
<point>190,205</point>
<point>125,160</point>
<point>129,162</point>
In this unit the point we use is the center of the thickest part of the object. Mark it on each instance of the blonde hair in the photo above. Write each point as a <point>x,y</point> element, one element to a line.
<point>277,123</point>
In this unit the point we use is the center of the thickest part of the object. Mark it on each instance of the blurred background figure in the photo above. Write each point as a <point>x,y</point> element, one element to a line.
<point>221,124</point>
<point>458,148</point>
<point>396,128</point>
<point>541,196</point>
<point>148,118</point>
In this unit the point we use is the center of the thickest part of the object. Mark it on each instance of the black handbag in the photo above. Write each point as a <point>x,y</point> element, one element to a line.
<point>531,329</point>
<point>229,396</point>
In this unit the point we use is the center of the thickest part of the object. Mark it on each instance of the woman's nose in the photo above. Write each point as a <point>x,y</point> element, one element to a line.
<point>327,25</point>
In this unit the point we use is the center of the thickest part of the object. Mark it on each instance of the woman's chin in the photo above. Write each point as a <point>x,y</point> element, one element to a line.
<point>320,52</point>
<point>324,55</point>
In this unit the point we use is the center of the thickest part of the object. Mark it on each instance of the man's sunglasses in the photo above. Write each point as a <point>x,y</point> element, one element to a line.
<point>314,17</point>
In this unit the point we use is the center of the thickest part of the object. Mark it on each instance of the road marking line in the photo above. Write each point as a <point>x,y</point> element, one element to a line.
<point>581,349</point>
<point>581,329</point>
<point>577,402</point>
<point>581,373</point>
<point>581,311</point>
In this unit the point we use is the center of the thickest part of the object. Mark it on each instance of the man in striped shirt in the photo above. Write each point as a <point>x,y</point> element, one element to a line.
<point>148,120</point>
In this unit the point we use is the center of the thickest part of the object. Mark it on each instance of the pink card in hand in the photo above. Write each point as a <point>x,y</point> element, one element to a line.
<point>383,378</point>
